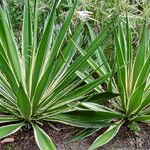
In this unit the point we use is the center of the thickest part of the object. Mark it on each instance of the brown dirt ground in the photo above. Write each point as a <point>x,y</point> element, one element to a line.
<point>125,140</point>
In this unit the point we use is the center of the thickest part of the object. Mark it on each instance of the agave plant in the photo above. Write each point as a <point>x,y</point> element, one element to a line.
<point>38,81</point>
<point>131,79</point>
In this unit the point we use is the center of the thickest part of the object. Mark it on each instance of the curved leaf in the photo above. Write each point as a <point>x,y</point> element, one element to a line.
<point>88,119</point>
<point>84,133</point>
<point>101,98</point>
<point>42,139</point>
<point>106,136</point>
<point>9,129</point>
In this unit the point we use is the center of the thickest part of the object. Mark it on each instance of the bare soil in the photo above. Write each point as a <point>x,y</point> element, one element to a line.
<point>125,140</point>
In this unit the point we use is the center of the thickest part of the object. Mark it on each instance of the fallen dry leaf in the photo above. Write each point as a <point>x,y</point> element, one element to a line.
<point>7,140</point>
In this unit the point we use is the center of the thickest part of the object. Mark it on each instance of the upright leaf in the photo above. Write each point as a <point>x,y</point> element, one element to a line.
<point>54,52</point>
<point>43,49</point>
<point>8,42</point>
<point>27,40</point>
<point>23,103</point>
<point>5,68</point>
<point>141,54</point>
<point>135,99</point>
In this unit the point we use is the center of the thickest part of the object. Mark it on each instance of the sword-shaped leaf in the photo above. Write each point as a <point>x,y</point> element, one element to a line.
<point>106,136</point>
<point>9,129</point>
<point>23,103</point>
<point>42,139</point>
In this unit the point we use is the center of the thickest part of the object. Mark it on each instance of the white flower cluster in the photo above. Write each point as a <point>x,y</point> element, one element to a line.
<point>84,15</point>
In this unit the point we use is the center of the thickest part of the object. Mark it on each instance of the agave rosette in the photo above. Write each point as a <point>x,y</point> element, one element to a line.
<point>39,80</point>
<point>130,78</point>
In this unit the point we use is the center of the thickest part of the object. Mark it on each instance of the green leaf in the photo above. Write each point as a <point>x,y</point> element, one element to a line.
<point>101,98</point>
<point>121,40</point>
<point>144,118</point>
<point>8,118</point>
<point>81,60</point>
<point>106,136</point>
<point>98,108</point>
<point>134,126</point>
<point>99,53</point>
<point>129,42</point>
<point>7,94</point>
<point>135,99</point>
<point>144,73</point>
<point>9,129</point>
<point>83,90</point>
<point>88,119</point>
<point>43,48</point>
<point>76,94</point>
<point>5,85</point>
<point>67,55</point>
<point>55,49</point>
<point>145,102</point>
<point>61,35</point>
<point>87,77</point>
<point>121,68</point>
<point>141,54</point>
<point>42,139</point>
<point>8,42</point>
<point>83,134</point>
<point>23,103</point>
<point>35,26</point>
<point>5,68</point>
<point>3,53</point>
<point>7,108</point>
<point>27,40</point>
